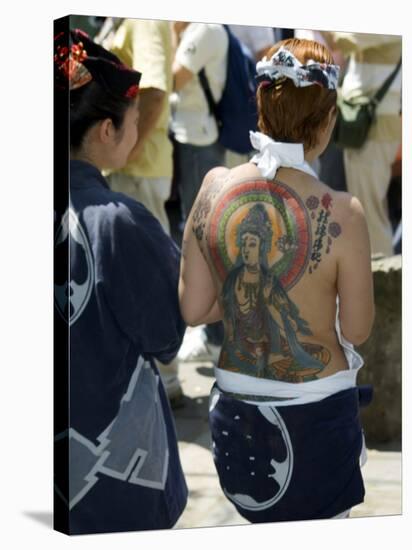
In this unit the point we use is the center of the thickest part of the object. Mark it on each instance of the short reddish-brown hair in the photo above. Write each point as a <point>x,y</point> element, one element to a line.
<point>295,115</point>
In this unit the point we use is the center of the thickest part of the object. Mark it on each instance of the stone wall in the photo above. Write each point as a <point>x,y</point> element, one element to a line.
<point>382,353</point>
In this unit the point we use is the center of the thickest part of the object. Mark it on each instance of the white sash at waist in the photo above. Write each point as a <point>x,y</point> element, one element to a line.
<point>286,392</point>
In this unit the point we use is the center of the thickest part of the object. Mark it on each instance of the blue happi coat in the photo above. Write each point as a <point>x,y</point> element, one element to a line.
<point>122,304</point>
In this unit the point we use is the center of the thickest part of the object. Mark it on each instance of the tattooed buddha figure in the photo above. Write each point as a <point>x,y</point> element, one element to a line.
<point>263,324</point>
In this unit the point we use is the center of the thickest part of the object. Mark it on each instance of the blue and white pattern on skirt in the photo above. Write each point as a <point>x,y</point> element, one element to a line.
<point>288,463</point>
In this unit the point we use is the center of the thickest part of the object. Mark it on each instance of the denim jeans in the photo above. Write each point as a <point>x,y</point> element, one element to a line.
<point>192,163</point>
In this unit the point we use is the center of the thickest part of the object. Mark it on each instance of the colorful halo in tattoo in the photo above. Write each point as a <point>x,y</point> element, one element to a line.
<point>288,254</point>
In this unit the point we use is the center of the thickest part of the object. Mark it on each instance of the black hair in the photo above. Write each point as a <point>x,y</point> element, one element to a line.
<point>92,103</point>
<point>101,86</point>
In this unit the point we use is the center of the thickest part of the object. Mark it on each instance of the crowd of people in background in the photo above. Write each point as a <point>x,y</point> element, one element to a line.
<point>178,136</point>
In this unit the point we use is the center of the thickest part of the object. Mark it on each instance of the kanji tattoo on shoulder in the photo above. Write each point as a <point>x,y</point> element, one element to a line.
<point>326,230</point>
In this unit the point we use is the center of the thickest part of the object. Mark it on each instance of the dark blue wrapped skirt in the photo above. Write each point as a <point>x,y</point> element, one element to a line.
<point>288,463</point>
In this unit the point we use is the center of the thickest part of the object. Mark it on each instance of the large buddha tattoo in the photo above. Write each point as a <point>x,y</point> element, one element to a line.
<point>260,242</point>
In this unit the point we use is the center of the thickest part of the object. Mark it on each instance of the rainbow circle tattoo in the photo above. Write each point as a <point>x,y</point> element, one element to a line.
<point>291,239</point>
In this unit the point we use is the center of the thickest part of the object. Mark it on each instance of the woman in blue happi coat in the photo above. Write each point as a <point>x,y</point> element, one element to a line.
<point>116,292</point>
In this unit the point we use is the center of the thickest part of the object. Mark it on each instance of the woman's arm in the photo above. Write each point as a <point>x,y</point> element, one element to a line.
<point>354,279</point>
<point>197,292</point>
<point>138,273</point>
<point>181,74</point>
<point>214,315</point>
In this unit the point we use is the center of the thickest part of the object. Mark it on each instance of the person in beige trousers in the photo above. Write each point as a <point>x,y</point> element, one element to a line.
<point>372,57</point>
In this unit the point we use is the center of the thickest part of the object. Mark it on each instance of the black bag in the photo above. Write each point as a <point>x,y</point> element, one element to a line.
<point>355,117</point>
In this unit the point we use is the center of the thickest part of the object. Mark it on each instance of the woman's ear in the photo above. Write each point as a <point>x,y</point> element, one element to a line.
<point>107,131</point>
<point>331,120</point>
<point>332,114</point>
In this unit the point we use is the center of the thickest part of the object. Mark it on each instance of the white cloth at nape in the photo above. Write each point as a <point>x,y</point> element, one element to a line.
<point>274,154</point>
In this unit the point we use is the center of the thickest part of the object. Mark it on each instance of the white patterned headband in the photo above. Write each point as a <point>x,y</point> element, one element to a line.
<point>283,64</point>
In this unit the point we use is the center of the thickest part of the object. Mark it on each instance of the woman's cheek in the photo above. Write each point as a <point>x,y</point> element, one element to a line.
<point>133,141</point>
<point>136,136</point>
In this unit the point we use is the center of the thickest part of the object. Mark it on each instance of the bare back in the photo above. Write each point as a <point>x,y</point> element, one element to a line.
<point>273,249</point>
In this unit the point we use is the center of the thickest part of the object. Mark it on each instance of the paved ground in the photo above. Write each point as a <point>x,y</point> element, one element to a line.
<point>207,505</point>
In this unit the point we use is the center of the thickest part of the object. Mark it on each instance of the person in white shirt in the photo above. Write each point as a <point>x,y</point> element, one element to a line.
<point>193,127</point>
<point>257,39</point>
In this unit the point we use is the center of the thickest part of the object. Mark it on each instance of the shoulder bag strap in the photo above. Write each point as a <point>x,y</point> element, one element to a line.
<point>387,84</point>
<point>204,83</point>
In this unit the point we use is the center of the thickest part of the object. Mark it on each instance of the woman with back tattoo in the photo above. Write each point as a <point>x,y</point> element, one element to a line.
<point>284,261</point>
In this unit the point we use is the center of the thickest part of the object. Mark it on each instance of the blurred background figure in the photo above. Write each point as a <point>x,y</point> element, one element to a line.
<point>148,174</point>
<point>146,46</point>
<point>107,30</point>
<point>257,40</point>
<point>193,127</point>
<point>368,170</point>
<point>195,135</point>
<point>329,166</point>
<point>283,34</point>
<point>90,24</point>
<point>318,36</point>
